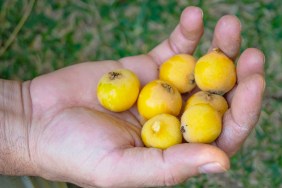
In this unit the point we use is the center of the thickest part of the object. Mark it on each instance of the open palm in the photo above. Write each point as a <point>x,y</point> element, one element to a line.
<point>72,138</point>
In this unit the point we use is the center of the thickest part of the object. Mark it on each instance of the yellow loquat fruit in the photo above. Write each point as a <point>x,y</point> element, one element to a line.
<point>118,90</point>
<point>215,73</point>
<point>158,97</point>
<point>161,131</point>
<point>201,123</point>
<point>179,71</point>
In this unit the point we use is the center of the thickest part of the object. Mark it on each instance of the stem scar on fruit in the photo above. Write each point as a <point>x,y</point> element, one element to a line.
<point>114,75</point>
<point>156,126</point>
<point>202,97</point>
<point>167,87</point>
<point>218,50</point>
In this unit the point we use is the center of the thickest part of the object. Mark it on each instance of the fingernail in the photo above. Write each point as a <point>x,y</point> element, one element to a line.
<point>202,12</point>
<point>263,84</point>
<point>211,168</point>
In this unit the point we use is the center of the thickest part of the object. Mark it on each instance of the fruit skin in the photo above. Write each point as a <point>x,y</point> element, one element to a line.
<point>158,97</point>
<point>161,131</point>
<point>179,71</point>
<point>215,73</point>
<point>201,123</point>
<point>218,102</point>
<point>118,90</point>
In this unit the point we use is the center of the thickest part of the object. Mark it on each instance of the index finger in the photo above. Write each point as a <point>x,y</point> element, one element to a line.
<point>227,36</point>
<point>184,38</point>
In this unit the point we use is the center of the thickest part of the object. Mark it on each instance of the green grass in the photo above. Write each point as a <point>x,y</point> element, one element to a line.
<point>60,33</point>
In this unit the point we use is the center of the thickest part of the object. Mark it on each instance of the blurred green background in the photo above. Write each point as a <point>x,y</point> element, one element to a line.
<point>38,37</point>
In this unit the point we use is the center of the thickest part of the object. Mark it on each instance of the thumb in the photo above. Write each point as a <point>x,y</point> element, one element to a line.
<point>154,167</point>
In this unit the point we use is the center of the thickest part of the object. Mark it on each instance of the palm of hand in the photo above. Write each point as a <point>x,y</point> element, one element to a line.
<point>80,134</point>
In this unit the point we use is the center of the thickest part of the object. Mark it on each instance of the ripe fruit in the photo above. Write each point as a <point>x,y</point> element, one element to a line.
<point>201,123</point>
<point>218,102</point>
<point>158,97</point>
<point>215,73</point>
<point>161,131</point>
<point>118,90</point>
<point>179,71</point>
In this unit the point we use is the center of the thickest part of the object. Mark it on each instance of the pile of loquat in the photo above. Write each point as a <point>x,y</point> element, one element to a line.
<point>159,102</point>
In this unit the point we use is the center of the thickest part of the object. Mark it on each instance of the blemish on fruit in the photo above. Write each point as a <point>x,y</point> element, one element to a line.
<point>209,97</point>
<point>191,79</point>
<point>216,92</point>
<point>182,129</point>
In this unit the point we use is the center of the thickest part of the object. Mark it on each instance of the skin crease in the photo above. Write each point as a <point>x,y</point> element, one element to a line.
<point>72,138</point>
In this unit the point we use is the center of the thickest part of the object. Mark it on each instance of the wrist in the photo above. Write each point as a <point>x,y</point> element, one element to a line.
<point>15,121</point>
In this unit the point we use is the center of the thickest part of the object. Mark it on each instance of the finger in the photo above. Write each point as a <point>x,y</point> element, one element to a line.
<point>184,38</point>
<point>154,167</point>
<point>250,62</point>
<point>227,36</point>
<point>143,66</point>
<point>243,115</point>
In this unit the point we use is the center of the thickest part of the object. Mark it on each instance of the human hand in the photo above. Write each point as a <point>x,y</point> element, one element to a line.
<point>72,138</point>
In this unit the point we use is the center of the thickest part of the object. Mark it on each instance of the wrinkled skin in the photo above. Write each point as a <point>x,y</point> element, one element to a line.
<point>72,138</point>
